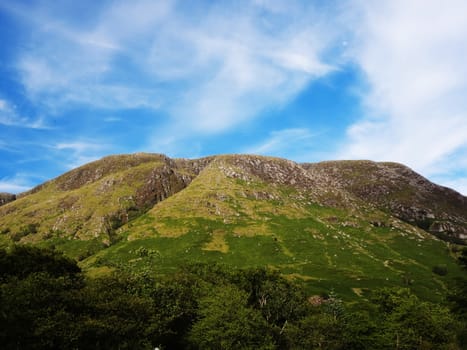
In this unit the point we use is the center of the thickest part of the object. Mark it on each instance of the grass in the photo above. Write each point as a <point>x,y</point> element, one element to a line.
<point>345,259</point>
<point>241,222</point>
<point>220,219</point>
<point>217,243</point>
<point>75,248</point>
<point>81,211</point>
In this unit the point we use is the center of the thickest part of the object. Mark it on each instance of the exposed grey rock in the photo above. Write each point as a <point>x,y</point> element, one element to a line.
<point>6,198</point>
<point>399,190</point>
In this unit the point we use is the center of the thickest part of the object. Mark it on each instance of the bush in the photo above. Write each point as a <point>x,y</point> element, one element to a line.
<point>440,270</point>
<point>24,260</point>
<point>29,229</point>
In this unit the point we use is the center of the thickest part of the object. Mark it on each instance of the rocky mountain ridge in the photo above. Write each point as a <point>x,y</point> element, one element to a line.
<point>346,225</point>
<point>397,189</point>
<point>98,198</point>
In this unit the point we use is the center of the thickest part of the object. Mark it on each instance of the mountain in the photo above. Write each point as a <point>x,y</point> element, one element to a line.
<point>347,225</point>
<point>398,190</point>
<point>92,200</point>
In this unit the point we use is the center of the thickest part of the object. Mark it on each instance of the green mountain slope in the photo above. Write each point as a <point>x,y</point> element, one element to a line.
<point>313,222</point>
<point>90,202</point>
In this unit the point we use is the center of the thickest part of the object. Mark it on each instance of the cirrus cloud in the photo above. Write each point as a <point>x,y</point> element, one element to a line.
<point>209,70</point>
<point>179,76</point>
<point>412,54</point>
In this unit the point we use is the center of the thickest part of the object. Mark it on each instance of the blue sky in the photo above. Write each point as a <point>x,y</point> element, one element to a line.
<point>305,80</point>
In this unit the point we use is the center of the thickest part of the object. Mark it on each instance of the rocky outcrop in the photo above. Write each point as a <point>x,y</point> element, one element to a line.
<point>99,197</point>
<point>161,184</point>
<point>399,190</point>
<point>6,198</point>
<point>282,172</point>
<point>95,171</point>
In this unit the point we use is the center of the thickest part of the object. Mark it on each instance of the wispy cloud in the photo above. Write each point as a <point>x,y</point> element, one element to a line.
<point>209,70</point>
<point>78,146</point>
<point>245,70</point>
<point>17,184</point>
<point>10,117</point>
<point>77,153</point>
<point>296,144</point>
<point>191,73</point>
<point>67,63</point>
<point>12,187</point>
<point>413,56</point>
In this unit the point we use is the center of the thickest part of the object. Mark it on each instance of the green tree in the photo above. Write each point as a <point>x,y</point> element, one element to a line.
<point>458,299</point>
<point>279,300</point>
<point>23,260</point>
<point>175,301</point>
<point>226,322</point>
<point>409,323</point>
<point>317,330</point>
<point>39,312</point>
<point>360,330</point>
<point>39,296</point>
<point>116,314</point>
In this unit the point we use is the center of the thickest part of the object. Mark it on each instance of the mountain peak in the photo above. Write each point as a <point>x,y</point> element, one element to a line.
<point>363,223</point>
<point>95,199</point>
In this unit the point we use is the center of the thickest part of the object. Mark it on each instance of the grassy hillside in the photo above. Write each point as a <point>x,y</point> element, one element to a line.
<point>325,225</point>
<point>92,201</point>
<point>229,214</point>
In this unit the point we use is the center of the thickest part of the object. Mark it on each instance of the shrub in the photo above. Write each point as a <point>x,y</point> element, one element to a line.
<point>440,270</point>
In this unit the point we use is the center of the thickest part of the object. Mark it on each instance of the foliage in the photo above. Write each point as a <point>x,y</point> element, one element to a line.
<point>463,258</point>
<point>458,298</point>
<point>25,231</point>
<point>46,303</point>
<point>226,322</point>
<point>238,213</point>
<point>441,270</point>
<point>23,260</point>
<point>409,323</point>
<point>38,299</point>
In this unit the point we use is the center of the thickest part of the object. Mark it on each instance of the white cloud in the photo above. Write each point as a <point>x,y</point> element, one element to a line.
<point>76,153</point>
<point>78,146</point>
<point>220,66</point>
<point>19,183</point>
<point>66,64</point>
<point>244,68</point>
<point>296,144</point>
<point>10,117</point>
<point>412,54</point>
<point>12,187</point>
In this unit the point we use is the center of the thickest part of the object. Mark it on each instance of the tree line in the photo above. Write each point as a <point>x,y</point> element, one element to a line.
<point>46,302</point>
